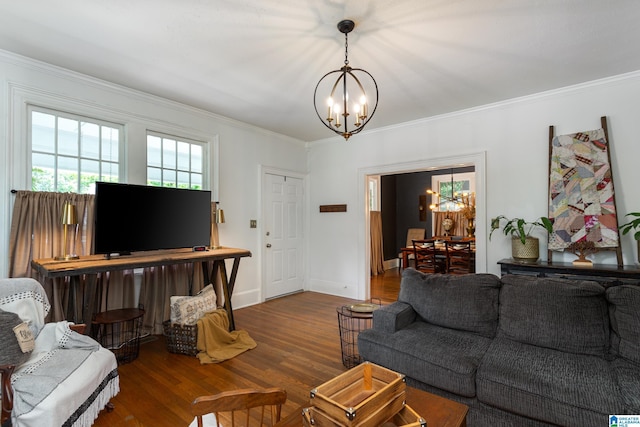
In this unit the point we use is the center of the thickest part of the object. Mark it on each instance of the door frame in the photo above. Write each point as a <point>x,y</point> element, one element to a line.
<point>262,172</point>
<point>478,160</point>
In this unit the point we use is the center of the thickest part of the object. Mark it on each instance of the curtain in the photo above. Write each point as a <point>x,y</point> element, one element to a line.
<point>377,255</point>
<point>459,223</point>
<point>36,232</point>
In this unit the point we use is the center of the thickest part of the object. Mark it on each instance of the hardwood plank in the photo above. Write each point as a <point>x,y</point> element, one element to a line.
<point>298,349</point>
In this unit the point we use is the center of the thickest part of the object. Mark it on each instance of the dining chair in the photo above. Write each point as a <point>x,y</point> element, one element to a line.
<point>427,256</point>
<point>412,234</point>
<point>240,401</point>
<point>460,257</point>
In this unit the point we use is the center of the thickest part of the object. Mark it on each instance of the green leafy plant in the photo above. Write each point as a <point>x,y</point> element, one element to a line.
<point>518,227</point>
<point>634,225</point>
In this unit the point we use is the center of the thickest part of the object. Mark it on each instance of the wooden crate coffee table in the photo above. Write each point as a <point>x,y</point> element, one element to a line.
<point>436,410</point>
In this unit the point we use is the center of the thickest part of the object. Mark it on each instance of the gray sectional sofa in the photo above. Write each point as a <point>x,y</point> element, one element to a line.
<point>518,350</point>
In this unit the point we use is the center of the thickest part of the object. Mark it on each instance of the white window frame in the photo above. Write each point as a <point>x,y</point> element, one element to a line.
<point>31,108</point>
<point>204,170</point>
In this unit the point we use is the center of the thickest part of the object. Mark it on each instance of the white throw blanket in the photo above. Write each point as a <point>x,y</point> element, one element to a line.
<point>58,353</point>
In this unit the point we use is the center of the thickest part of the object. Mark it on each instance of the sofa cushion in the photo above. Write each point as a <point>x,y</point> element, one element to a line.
<point>444,358</point>
<point>554,386</point>
<point>562,314</point>
<point>627,376</point>
<point>624,311</point>
<point>466,303</point>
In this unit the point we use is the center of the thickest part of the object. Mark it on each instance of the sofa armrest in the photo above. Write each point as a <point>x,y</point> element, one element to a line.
<point>393,317</point>
<point>7,392</point>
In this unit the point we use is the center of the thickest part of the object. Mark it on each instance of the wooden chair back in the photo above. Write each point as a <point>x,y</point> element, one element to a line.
<point>460,257</point>
<point>427,258</point>
<point>241,401</point>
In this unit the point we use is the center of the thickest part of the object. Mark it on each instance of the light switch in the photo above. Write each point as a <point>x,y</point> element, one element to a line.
<point>253,223</point>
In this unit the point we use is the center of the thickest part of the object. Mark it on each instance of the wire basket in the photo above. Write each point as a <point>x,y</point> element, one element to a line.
<point>119,331</point>
<point>352,319</point>
<point>181,339</point>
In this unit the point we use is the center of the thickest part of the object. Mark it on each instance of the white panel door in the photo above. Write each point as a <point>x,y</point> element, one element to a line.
<point>283,235</point>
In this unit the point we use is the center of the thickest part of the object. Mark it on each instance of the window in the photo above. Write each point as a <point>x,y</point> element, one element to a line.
<point>451,188</point>
<point>374,193</point>
<point>69,153</point>
<point>174,162</point>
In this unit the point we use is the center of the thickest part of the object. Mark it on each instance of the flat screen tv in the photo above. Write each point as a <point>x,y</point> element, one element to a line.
<point>131,218</point>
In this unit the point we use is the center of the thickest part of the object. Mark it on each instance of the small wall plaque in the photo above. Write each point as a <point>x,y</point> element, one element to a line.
<point>333,208</point>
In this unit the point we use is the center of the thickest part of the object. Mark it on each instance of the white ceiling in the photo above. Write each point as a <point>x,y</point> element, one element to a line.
<point>258,61</point>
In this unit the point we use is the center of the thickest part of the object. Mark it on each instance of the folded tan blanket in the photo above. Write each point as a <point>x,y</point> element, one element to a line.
<point>215,342</point>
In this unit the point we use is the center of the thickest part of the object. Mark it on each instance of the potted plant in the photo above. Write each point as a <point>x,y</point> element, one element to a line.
<point>634,225</point>
<point>524,247</point>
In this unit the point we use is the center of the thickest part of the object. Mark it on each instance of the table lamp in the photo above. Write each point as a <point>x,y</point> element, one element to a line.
<point>217,218</point>
<point>70,228</point>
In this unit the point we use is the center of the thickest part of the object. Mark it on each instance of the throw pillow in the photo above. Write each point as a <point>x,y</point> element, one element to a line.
<point>186,310</point>
<point>13,331</point>
<point>624,310</point>
<point>561,314</point>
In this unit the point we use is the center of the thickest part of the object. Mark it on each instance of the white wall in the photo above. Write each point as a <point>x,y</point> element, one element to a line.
<point>513,136</point>
<point>508,140</point>
<point>243,149</point>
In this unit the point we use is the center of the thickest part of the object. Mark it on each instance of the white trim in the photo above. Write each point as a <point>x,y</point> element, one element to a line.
<point>478,160</point>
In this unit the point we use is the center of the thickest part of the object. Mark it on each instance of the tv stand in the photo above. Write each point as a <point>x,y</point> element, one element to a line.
<point>91,265</point>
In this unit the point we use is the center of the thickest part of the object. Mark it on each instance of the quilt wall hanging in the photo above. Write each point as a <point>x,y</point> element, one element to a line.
<point>581,193</point>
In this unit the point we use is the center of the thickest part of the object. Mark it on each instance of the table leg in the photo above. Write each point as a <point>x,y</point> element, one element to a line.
<point>89,299</point>
<point>227,289</point>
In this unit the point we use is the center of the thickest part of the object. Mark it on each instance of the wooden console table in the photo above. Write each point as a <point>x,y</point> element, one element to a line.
<point>603,273</point>
<point>90,266</point>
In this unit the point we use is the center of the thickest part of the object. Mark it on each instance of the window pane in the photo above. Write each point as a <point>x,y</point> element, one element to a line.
<point>183,156</point>
<point>43,132</point>
<point>109,172</point>
<point>168,178</point>
<point>196,181</point>
<point>169,153</point>
<point>153,151</point>
<point>154,177</point>
<point>110,144</point>
<point>89,174</point>
<point>68,136</point>
<point>67,174</point>
<point>89,138</point>
<point>183,179</point>
<point>196,158</point>
<point>43,172</point>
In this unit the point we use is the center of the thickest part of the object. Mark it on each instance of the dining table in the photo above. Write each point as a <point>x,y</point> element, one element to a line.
<point>439,246</point>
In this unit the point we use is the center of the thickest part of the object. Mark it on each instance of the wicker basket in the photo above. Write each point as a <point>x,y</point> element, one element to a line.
<point>181,339</point>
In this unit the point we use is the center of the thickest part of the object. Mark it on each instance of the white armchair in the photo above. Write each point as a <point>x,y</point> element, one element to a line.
<point>66,380</point>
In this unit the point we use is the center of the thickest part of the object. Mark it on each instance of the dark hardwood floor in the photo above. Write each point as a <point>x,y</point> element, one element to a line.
<point>298,349</point>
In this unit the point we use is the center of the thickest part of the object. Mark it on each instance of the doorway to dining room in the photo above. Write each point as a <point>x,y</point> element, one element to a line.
<point>477,164</point>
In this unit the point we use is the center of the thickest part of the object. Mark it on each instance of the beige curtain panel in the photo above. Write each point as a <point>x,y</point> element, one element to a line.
<point>459,223</point>
<point>377,255</point>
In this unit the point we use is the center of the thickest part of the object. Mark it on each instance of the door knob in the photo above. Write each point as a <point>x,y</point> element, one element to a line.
<point>268,245</point>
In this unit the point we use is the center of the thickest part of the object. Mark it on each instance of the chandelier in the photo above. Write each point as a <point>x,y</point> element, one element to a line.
<point>464,202</point>
<point>348,108</point>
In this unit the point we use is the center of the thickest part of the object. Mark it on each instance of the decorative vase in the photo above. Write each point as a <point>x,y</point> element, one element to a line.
<point>447,225</point>
<point>471,228</point>
<point>528,253</point>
